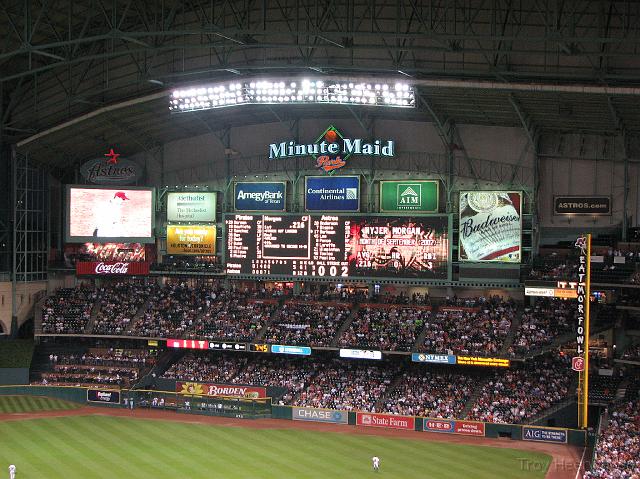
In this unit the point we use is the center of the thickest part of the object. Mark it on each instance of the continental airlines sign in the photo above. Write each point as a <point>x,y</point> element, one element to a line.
<point>331,150</point>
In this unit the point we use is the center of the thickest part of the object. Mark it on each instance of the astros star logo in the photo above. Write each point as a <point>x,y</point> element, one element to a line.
<point>113,157</point>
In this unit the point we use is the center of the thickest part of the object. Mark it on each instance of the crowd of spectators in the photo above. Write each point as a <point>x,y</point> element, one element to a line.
<point>617,452</point>
<point>68,310</point>
<point>120,302</point>
<point>348,386</point>
<point>172,310</point>
<point>632,353</point>
<point>437,394</point>
<point>603,388</point>
<point>189,263</point>
<point>229,316</point>
<point>307,323</point>
<point>516,395</point>
<point>385,327</point>
<point>555,266</point>
<point>110,367</point>
<point>216,368</point>
<point>480,329</point>
<point>542,323</point>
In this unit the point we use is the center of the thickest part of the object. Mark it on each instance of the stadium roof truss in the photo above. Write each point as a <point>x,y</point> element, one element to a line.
<point>79,75</point>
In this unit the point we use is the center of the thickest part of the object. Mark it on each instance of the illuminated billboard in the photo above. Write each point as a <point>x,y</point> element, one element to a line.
<point>338,246</point>
<point>490,226</point>
<point>191,239</point>
<point>191,206</point>
<point>109,215</point>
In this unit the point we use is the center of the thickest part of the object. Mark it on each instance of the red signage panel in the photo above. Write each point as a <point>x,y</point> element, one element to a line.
<point>469,428</point>
<point>385,420</point>
<point>111,268</point>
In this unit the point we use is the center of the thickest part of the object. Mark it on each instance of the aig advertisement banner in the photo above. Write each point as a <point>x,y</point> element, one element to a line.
<point>194,206</point>
<point>419,196</point>
<point>490,226</point>
<point>191,239</point>
<point>544,434</point>
<point>332,193</point>
<point>320,415</point>
<point>259,196</point>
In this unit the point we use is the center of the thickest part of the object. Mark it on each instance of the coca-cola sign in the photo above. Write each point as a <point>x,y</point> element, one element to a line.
<point>111,268</point>
<point>111,169</point>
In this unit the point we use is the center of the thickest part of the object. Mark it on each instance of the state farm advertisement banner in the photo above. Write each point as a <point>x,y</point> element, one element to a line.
<point>111,268</point>
<point>224,390</point>
<point>385,420</point>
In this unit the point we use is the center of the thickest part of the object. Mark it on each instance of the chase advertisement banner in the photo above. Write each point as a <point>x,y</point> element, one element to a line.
<point>544,434</point>
<point>260,196</point>
<point>332,193</point>
<point>490,226</point>
<point>418,196</point>
<point>320,415</point>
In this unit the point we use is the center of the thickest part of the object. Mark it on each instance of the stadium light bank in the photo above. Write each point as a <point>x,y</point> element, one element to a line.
<point>305,91</point>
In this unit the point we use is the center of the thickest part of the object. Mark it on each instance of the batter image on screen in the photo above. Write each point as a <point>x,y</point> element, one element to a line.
<point>110,213</point>
<point>406,247</point>
<point>490,226</point>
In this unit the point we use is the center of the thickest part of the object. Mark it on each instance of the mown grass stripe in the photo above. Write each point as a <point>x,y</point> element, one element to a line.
<point>29,404</point>
<point>104,447</point>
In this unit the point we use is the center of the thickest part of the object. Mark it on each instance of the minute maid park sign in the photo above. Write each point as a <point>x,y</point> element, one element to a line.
<point>331,150</point>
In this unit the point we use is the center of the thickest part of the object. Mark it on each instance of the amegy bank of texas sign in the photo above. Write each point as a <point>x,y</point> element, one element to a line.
<point>331,150</point>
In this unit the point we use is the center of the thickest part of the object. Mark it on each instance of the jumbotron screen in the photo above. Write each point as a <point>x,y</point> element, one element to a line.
<point>338,246</point>
<point>101,215</point>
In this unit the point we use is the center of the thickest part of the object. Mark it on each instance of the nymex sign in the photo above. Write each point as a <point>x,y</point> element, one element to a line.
<point>331,150</point>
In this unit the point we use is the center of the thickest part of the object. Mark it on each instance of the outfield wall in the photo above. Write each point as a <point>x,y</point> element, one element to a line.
<point>517,432</point>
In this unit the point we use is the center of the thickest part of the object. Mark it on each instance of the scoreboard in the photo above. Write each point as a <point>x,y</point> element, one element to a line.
<point>337,246</point>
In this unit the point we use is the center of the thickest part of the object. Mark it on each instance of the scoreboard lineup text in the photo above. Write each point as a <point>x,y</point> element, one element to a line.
<point>338,245</point>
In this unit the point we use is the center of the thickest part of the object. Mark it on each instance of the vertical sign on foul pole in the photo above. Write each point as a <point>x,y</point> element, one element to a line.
<point>582,328</point>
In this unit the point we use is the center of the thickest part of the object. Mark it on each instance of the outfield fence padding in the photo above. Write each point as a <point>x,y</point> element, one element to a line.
<point>251,408</point>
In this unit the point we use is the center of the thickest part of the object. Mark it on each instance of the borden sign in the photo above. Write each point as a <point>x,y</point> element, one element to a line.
<point>225,390</point>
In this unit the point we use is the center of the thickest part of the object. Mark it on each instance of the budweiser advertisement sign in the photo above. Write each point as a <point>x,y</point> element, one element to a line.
<point>111,268</point>
<point>221,390</point>
<point>111,169</point>
<point>490,226</point>
<point>385,420</point>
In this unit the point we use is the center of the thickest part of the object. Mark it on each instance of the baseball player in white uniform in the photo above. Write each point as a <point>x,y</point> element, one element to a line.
<point>12,472</point>
<point>376,463</point>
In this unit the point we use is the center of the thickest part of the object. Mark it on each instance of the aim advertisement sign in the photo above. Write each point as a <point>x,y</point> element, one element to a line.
<point>418,196</point>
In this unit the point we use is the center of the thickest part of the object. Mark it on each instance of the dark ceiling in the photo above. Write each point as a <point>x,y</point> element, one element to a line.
<point>78,75</point>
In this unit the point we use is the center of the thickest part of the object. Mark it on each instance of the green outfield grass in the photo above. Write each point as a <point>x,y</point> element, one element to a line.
<point>108,447</point>
<point>28,404</point>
